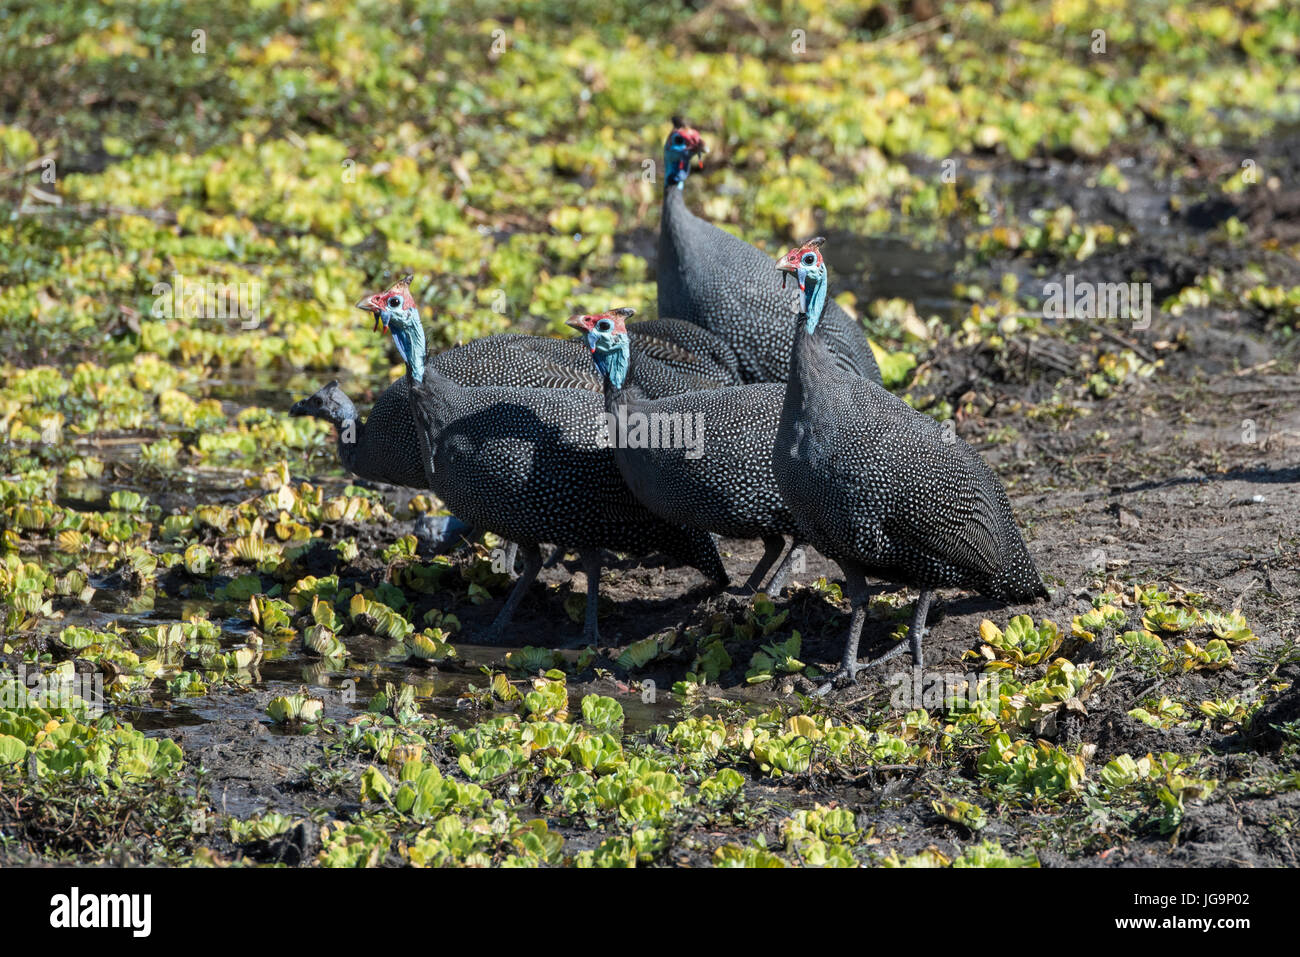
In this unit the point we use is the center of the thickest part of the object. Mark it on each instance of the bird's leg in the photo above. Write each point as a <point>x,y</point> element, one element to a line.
<point>859,595</point>
<point>917,631</point>
<point>556,557</point>
<point>591,565</point>
<point>914,635</point>
<point>772,545</point>
<point>793,559</point>
<point>532,565</point>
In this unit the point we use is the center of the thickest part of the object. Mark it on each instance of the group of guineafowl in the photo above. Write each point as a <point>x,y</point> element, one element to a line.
<point>524,436</point>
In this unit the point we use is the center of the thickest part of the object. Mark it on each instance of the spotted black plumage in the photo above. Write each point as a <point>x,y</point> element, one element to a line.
<point>707,355</point>
<point>714,279</point>
<point>884,490</point>
<point>528,465</point>
<point>664,367</point>
<point>702,459</point>
<point>385,447</point>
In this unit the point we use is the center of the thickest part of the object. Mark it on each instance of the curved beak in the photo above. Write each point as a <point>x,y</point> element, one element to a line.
<point>577,322</point>
<point>788,268</point>
<point>372,305</point>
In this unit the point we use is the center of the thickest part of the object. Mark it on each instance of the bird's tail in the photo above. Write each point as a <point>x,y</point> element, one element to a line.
<point>1019,579</point>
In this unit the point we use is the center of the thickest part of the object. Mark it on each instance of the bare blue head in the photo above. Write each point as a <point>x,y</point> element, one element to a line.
<point>683,146</point>
<point>329,403</point>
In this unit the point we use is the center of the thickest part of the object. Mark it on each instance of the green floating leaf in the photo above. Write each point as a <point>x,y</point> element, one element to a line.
<point>641,653</point>
<point>295,708</point>
<point>12,750</point>
<point>602,713</point>
<point>529,660</point>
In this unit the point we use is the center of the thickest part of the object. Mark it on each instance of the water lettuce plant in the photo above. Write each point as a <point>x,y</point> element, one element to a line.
<point>1022,643</point>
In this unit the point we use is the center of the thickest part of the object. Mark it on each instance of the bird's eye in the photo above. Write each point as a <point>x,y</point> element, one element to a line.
<point>604,325</point>
<point>809,259</point>
<point>394,302</point>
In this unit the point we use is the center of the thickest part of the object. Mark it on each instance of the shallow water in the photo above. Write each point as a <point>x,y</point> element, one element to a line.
<point>346,685</point>
<point>893,267</point>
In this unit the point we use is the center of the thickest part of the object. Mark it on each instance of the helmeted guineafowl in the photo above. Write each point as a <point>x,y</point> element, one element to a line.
<point>714,279</point>
<point>882,489</point>
<point>529,465</point>
<point>702,459</point>
<point>385,448</point>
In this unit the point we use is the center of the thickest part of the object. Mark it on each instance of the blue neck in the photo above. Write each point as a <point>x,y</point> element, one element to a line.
<point>408,336</point>
<point>677,166</point>
<point>814,301</point>
<point>611,355</point>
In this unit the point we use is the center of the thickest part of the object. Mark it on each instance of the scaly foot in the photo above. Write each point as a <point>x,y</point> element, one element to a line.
<point>851,670</point>
<point>847,673</point>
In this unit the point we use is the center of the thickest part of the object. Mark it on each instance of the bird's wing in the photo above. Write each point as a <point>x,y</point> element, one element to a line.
<point>938,491</point>
<point>664,349</point>
<point>942,506</point>
<point>841,349</point>
<point>546,373</point>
